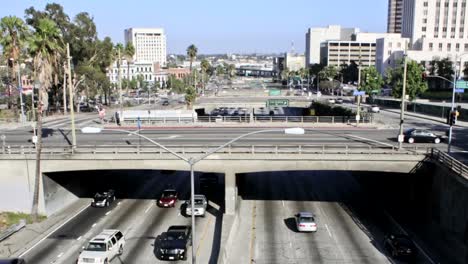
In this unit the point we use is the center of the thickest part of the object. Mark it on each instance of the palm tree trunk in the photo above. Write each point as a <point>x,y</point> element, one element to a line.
<point>38,174</point>
<point>128,77</point>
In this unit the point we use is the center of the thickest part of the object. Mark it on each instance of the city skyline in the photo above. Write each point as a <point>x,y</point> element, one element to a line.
<point>247,27</point>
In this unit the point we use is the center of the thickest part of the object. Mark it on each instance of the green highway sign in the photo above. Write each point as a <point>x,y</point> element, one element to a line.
<point>461,85</point>
<point>277,102</point>
<point>273,92</point>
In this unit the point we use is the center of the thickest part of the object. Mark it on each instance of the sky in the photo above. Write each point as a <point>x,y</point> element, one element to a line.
<point>217,26</point>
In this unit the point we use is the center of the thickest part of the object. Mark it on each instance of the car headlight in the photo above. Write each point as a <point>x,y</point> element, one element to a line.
<point>181,251</point>
<point>171,201</point>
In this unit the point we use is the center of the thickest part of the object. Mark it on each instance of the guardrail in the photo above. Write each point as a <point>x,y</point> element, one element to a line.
<point>254,119</point>
<point>450,162</point>
<point>346,149</point>
<point>12,229</point>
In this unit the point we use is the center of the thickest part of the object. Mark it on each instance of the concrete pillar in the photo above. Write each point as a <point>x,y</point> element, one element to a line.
<point>230,197</point>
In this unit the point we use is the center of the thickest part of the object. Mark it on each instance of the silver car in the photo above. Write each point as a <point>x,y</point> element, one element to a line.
<point>199,207</point>
<point>305,222</point>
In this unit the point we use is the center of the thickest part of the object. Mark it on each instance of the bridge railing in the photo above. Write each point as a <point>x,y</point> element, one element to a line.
<point>346,149</point>
<point>450,162</point>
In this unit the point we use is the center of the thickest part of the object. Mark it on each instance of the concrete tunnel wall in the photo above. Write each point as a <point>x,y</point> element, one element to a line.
<point>17,178</point>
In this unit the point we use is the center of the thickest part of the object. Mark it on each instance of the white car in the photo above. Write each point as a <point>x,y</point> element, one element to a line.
<point>331,101</point>
<point>375,109</point>
<point>305,222</point>
<point>199,208</point>
<point>103,247</point>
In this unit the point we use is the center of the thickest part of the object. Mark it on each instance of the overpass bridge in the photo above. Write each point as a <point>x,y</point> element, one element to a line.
<point>18,164</point>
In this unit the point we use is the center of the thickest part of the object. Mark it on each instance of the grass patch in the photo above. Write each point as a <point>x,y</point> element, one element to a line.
<point>10,218</point>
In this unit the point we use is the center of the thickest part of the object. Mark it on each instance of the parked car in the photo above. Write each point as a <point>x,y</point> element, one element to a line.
<point>339,100</point>
<point>199,206</point>
<point>421,135</point>
<point>305,222</point>
<point>375,109</point>
<point>165,103</point>
<point>103,247</point>
<point>103,199</point>
<point>400,246</point>
<point>331,101</point>
<point>173,244</point>
<point>168,198</point>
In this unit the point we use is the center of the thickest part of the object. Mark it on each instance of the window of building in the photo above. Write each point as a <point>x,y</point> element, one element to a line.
<point>423,29</point>
<point>431,46</point>
<point>424,20</point>
<point>425,4</point>
<point>449,47</point>
<point>457,47</point>
<point>466,47</point>
<point>440,46</point>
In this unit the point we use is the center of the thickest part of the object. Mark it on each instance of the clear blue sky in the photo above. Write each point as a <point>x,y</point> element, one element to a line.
<point>217,26</point>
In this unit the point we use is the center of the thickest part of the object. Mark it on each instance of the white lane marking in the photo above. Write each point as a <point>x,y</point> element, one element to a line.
<point>371,140</point>
<point>283,203</point>
<point>404,231</point>
<point>57,228</point>
<point>328,230</point>
<point>94,225</point>
<point>108,212</point>
<point>149,207</point>
<point>78,239</point>
<point>59,255</point>
<point>170,137</point>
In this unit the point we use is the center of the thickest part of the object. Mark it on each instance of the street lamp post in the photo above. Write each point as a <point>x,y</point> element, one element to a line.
<point>192,161</point>
<point>402,111</point>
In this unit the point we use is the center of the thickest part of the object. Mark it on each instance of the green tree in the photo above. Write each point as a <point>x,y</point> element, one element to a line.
<point>128,53</point>
<point>231,71</point>
<point>192,54</point>
<point>371,80</point>
<point>190,96</point>
<point>44,43</point>
<point>415,84</point>
<point>285,74</point>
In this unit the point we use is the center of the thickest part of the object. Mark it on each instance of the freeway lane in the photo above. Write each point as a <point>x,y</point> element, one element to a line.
<point>342,236</point>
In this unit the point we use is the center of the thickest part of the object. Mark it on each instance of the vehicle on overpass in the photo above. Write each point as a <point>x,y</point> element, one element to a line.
<point>199,206</point>
<point>103,247</point>
<point>305,222</point>
<point>421,135</point>
<point>400,246</point>
<point>103,199</point>
<point>173,244</point>
<point>168,198</point>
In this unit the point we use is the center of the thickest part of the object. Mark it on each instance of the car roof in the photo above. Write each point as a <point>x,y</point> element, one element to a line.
<point>306,214</point>
<point>199,196</point>
<point>104,235</point>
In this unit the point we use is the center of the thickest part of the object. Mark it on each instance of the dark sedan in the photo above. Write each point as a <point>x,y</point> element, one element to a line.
<point>421,135</point>
<point>400,246</point>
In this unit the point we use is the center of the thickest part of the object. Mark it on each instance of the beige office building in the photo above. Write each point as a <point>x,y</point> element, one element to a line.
<point>395,12</point>
<point>149,43</point>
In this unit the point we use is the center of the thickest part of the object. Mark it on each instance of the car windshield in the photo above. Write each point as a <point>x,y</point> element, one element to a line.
<point>306,219</point>
<point>169,194</point>
<point>99,197</point>
<point>94,246</point>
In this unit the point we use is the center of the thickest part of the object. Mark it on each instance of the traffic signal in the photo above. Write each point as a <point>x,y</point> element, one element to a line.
<point>453,118</point>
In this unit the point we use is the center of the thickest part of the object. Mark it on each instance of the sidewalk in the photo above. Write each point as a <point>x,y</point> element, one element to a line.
<point>33,233</point>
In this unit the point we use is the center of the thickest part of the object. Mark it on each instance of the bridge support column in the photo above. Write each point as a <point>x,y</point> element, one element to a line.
<point>230,198</point>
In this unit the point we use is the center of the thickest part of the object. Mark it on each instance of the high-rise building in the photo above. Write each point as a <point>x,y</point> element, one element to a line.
<point>315,37</point>
<point>395,12</point>
<point>436,29</point>
<point>149,43</point>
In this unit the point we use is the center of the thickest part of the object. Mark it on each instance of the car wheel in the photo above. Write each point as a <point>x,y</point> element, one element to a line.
<point>411,140</point>
<point>120,250</point>
<point>437,140</point>
<point>184,256</point>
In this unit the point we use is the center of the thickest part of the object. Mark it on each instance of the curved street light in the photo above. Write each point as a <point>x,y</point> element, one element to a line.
<point>191,161</point>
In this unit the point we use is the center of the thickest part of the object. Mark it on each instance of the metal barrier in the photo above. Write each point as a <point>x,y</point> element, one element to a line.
<point>12,229</point>
<point>450,162</point>
<point>344,149</point>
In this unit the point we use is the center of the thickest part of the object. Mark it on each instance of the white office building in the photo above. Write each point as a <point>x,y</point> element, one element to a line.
<point>389,51</point>
<point>436,29</point>
<point>315,37</point>
<point>294,62</point>
<point>149,43</point>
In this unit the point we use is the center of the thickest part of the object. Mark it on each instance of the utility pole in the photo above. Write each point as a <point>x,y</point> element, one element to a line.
<point>452,108</point>
<point>65,90</point>
<point>401,137</point>
<point>70,87</point>
<point>358,112</point>
<point>20,88</point>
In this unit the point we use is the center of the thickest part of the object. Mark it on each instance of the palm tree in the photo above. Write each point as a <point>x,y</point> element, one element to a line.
<point>44,43</point>
<point>13,33</point>
<point>128,53</point>
<point>192,54</point>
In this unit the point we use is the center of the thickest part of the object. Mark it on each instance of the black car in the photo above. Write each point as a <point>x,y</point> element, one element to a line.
<point>103,199</point>
<point>165,103</point>
<point>421,135</point>
<point>12,261</point>
<point>400,246</point>
<point>173,244</point>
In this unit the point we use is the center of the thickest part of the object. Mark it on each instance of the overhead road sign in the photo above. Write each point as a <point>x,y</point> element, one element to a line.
<point>277,102</point>
<point>459,90</point>
<point>461,85</point>
<point>356,93</point>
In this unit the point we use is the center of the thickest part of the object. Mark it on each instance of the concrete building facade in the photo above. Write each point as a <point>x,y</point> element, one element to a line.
<point>149,43</point>
<point>315,37</point>
<point>390,50</point>
<point>294,62</point>
<point>395,13</point>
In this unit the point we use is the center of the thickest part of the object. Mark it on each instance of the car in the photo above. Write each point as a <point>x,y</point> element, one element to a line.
<point>305,222</point>
<point>12,261</point>
<point>400,246</point>
<point>103,199</point>
<point>339,100</point>
<point>199,207</point>
<point>375,109</point>
<point>421,135</point>
<point>173,244</point>
<point>331,101</point>
<point>165,103</point>
<point>103,247</point>
<point>168,198</point>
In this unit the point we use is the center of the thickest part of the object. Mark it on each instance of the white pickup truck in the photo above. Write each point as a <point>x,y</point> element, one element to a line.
<point>103,247</point>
